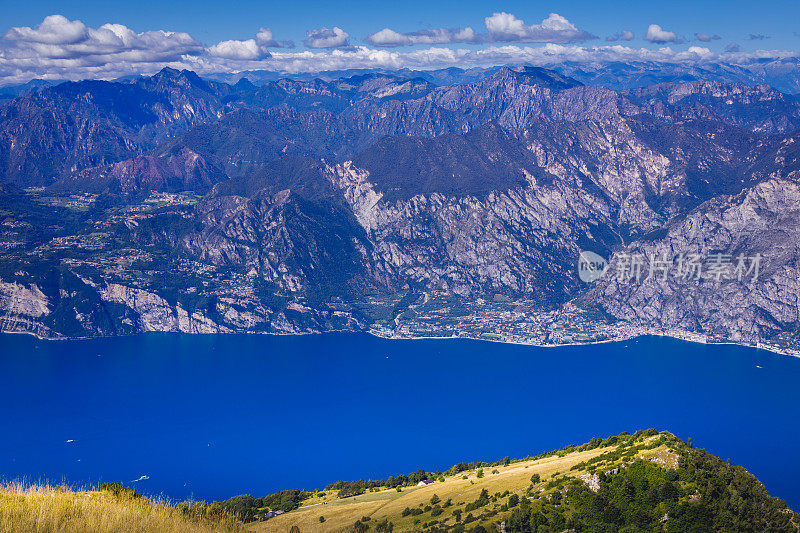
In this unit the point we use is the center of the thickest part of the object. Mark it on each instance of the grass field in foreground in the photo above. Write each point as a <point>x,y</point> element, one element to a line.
<point>42,509</point>
<point>341,514</point>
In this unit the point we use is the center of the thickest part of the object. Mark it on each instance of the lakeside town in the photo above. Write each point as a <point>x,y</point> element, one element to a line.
<point>520,322</point>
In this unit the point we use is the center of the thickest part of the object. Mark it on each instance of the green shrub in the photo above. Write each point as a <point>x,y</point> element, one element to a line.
<point>120,491</point>
<point>359,527</point>
<point>384,526</point>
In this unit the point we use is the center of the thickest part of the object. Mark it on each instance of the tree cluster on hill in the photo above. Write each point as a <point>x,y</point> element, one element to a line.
<point>353,488</point>
<point>703,494</point>
<point>245,507</point>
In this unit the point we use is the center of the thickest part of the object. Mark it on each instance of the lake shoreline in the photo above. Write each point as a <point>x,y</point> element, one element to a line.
<point>760,346</point>
<point>684,336</point>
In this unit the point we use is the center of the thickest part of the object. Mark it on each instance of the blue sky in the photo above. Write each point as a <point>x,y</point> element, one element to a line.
<point>213,21</point>
<point>216,36</point>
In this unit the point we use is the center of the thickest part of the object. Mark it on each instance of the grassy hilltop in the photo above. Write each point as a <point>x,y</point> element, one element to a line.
<point>644,482</point>
<point>647,481</point>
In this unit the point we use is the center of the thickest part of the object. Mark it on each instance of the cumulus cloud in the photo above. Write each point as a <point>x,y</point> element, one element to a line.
<point>60,43</point>
<point>701,52</point>
<point>63,49</point>
<point>55,29</point>
<point>657,34</point>
<point>500,27</point>
<point>59,48</point>
<point>704,37</point>
<point>249,49</point>
<point>265,38</point>
<point>624,35</point>
<point>390,38</point>
<point>732,47</point>
<point>327,38</point>
<point>505,27</point>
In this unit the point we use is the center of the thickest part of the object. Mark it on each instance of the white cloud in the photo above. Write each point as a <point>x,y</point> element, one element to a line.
<point>55,29</point>
<point>250,49</point>
<point>327,38</point>
<point>390,38</point>
<point>264,37</point>
<point>700,51</point>
<point>61,50</point>
<point>500,27</point>
<point>624,35</point>
<point>59,39</point>
<point>547,55</point>
<point>465,35</point>
<point>657,34</point>
<point>704,37</point>
<point>505,27</point>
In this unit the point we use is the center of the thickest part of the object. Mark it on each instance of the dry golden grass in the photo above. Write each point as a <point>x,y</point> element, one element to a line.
<point>340,514</point>
<point>42,509</point>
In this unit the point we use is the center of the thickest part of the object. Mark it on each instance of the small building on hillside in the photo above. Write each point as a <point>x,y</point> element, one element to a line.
<point>424,482</point>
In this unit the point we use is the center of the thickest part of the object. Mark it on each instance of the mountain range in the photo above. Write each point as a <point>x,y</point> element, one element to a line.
<point>178,203</point>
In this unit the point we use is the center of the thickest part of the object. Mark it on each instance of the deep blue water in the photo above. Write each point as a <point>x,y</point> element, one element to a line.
<point>215,416</point>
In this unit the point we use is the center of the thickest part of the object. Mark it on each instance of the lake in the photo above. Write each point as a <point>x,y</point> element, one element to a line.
<point>210,417</point>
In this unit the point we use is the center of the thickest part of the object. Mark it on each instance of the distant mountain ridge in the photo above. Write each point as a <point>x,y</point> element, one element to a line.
<point>781,73</point>
<point>109,120</point>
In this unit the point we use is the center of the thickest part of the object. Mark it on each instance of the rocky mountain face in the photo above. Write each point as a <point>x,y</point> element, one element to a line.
<point>174,203</point>
<point>762,220</point>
